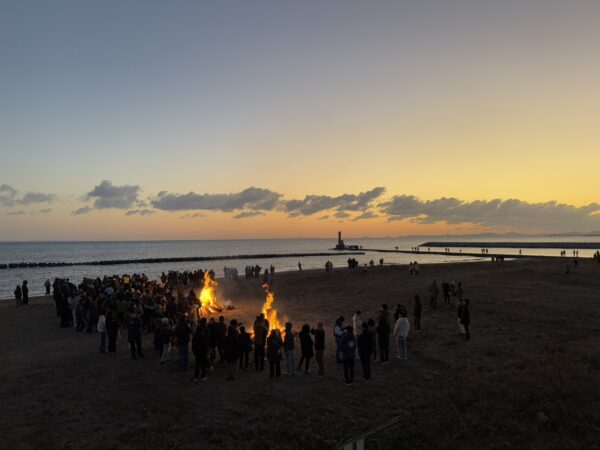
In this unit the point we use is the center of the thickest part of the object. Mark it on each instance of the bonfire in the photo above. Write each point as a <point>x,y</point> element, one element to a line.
<point>270,312</point>
<point>208,297</point>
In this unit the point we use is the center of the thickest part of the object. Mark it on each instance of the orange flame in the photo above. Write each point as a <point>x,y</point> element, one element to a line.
<point>270,312</point>
<point>208,297</point>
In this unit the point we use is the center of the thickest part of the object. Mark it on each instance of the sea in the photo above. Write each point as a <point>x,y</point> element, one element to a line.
<point>17,252</point>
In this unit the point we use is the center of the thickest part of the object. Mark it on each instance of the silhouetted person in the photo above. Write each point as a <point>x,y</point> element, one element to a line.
<point>365,350</point>
<point>306,348</point>
<point>465,319</point>
<point>25,291</point>
<point>274,345</point>
<point>417,308</point>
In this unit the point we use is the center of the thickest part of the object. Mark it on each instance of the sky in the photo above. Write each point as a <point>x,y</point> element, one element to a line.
<point>216,120</point>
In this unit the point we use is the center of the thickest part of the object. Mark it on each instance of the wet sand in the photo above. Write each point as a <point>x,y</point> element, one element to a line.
<point>530,377</point>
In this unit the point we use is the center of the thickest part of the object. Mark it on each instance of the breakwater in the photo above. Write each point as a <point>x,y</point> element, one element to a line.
<point>23,265</point>
<point>556,245</point>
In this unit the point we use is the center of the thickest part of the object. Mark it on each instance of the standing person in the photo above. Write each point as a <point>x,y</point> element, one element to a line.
<point>25,291</point>
<point>212,328</point>
<point>417,308</point>
<point>365,350</point>
<point>134,335</point>
<point>101,327</point>
<point>182,334</point>
<point>288,346</point>
<point>319,334</point>
<point>112,330</point>
<point>383,334</point>
<point>306,347</point>
<point>338,332</point>
<point>220,335</point>
<point>260,341</point>
<point>165,334</point>
<point>348,350</point>
<point>401,332</point>
<point>18,295</point>
<point>434,291</point>
<point>200,347</point>
<point>47,285</point>
<point>357,322</point>
<point>232,351</point>
<point>459,310</point>
<point>245,346</point>
<point>274,345</point>
<point>465,318</point>
<point>373,328</point>
<point>446,291</point>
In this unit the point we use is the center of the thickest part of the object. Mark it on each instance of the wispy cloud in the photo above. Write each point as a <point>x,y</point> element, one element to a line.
<point>80,211</point>
<point>252,198</point>
<point>16,213</point>
<point>248,214</point>
<point>192,216</point>
<point>139,212</point>
<point>9,197</point>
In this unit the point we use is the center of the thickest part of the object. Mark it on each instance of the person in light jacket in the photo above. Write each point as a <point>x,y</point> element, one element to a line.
<point>101,327</point>
<point>401,332</point>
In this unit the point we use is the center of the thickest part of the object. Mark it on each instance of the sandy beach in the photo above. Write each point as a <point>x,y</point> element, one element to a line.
<point>530,321</point>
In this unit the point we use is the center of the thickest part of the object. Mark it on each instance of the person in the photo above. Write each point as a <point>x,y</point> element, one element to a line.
<point>433,295</point>
<point>274,345</point>
<point>288,346</point>
<point>134,335</point>
<point>383,334</point>
<point>373,328</point>
<point>446,292</point>
<point>459,310</point>
<point>212,328</point>
<point>18,295</point>
<point>401,332</point>
<point>357,322</point>
<point>112,330</point>
<point>417,308</point>
<point>365,350</point>
<point>319,334</point>
<point>220,334</point>
<point>306,348</point>
<point>182,334</point>
<point>232,351</point>
<point>245,345</point>
<point>299,267</point>
<point>348,351</point>
<point>465,319</point>
<point>338,332</point>
<point>25,291</point>
<point>260,341</point>
<point>47,285</point>
<point>101,327</point>
<point>200,347</point>
<point>165,334</point>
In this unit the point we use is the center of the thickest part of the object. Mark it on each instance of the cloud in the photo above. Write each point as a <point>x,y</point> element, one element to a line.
<point>107,195</point>
<point>16,213</point>
<point>80,211</point>
<point>252,198</point>
<point>139,212</point>
<point>365,216</point>
<point>192,216</point>
<point>36,197</point>
<point>312,204</point>
<point>341,215</point>
<point>496,212</point>
<point>247,214</point>
<point>45,210</point>
<point>8,197</point>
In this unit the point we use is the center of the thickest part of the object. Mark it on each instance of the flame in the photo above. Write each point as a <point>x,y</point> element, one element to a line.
<point>208,297</point>
<point>270,312</point>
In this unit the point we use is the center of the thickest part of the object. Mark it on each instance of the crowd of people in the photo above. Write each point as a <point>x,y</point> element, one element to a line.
<point>169,310</point>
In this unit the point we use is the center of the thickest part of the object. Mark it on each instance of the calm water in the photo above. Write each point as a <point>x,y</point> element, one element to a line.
<point>89,251</point>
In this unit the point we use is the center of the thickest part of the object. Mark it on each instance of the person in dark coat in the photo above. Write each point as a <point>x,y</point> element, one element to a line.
<point>274,344</point>
<point>182,334</point>
<point>417,309</point>
<point>446,291</point>
<point>18,295</point>
<point>261,330</point>
<point>212,327</point>
<point>112,330</point>
<point>319,334</point>
<point>231,351</point>
<point>306,348</point>
<point>25,291</point>
<point>348,351</point>
<point>365,350</point>
<point>134,335</point>
<point>245,346</point>
<point>220,335</point>
<point>200,347</point>
<point>465,318</point>
<point>383,334</point>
